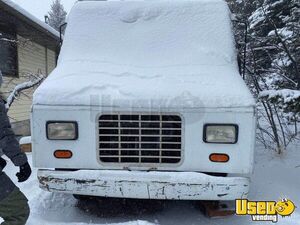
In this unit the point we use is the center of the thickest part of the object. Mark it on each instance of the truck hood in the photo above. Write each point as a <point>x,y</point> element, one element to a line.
<point>172,87</point>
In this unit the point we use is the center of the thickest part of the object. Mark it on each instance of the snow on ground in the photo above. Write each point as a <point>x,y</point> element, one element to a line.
<point>275,177</point>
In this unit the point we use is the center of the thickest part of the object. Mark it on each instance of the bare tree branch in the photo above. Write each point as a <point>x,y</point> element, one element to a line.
<point>36,79</point>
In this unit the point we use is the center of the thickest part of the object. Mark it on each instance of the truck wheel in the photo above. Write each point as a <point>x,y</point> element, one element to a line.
<point>82,197</point>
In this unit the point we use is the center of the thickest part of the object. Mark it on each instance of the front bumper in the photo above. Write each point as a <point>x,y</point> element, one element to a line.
<point>145,185</point>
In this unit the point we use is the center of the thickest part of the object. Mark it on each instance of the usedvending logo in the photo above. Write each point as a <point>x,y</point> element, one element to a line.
<point>264,210</point>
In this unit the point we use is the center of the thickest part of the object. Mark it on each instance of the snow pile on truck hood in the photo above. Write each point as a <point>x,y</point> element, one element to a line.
<point>147,53</point>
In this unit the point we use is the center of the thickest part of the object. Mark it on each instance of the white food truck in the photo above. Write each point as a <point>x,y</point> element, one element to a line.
<point>146,102</point>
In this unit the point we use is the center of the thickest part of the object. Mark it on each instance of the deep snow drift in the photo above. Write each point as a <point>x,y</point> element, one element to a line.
<point>163,53</point>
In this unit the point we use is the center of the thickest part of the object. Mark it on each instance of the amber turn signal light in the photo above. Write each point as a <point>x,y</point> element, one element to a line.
<point>63,154</point>
<point>26,148</point>
<point>220,158</point>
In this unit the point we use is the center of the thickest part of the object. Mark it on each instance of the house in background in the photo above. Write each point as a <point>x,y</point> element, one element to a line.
<point>27,46</point>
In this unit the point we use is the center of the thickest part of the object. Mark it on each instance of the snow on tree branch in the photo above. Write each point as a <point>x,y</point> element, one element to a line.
<point>37,79</point>
<point>287,99</point>
<point>8,40</point>
<point>270,42</point>
<point>287,95</point>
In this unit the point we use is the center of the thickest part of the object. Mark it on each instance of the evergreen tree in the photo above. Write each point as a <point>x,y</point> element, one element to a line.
<point>272,64</point>
<point>57,15</point>
<point>275,31</point>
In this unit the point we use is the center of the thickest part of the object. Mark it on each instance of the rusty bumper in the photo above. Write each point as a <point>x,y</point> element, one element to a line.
<point>145,185</point>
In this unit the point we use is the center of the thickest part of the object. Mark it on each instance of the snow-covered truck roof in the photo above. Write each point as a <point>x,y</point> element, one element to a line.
<point>163,53</point>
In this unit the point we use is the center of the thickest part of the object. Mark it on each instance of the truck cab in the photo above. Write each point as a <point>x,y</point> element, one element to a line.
<point>146,102</point>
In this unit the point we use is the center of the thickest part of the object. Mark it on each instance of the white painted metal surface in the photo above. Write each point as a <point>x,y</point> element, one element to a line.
<point>145,185</point>
<point>168,79</point>
<point>195,152</point>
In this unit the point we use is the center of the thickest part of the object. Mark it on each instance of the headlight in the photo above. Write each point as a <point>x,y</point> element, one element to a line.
<point>220,133</point>
<point>57,130</point>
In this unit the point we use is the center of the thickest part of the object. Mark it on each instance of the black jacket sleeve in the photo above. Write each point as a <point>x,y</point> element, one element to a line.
<point>9,145</point>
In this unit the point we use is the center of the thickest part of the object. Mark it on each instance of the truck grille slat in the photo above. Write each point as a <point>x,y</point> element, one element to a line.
<point>128,127</point>
<point>132,149</point>
<point>139,142</point>
<point>145,156</point>
<point>140,138</point>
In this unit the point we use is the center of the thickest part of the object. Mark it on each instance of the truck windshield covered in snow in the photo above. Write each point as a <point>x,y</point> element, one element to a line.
<point>143,34</point>
<point>146,102</point>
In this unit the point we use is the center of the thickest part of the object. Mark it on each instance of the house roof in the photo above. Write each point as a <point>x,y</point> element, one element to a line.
<point>28,25</point>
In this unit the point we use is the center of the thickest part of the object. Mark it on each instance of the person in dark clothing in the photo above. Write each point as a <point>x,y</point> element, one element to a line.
<point>14,208</point>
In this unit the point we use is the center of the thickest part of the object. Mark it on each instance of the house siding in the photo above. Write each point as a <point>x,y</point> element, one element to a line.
<point>51,58</point>
<point>32,58</point>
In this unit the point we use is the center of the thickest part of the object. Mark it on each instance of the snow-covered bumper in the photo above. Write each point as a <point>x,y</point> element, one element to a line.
<point>145,185</point>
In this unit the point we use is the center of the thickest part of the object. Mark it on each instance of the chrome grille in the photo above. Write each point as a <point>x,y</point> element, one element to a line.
<point>140,138</point>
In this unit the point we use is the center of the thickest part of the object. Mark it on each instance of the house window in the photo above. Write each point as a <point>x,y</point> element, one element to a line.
<point>8,52</point>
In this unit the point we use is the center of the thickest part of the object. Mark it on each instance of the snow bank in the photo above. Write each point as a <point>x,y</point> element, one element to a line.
<point>275,177</point>
<point>163,53</point>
